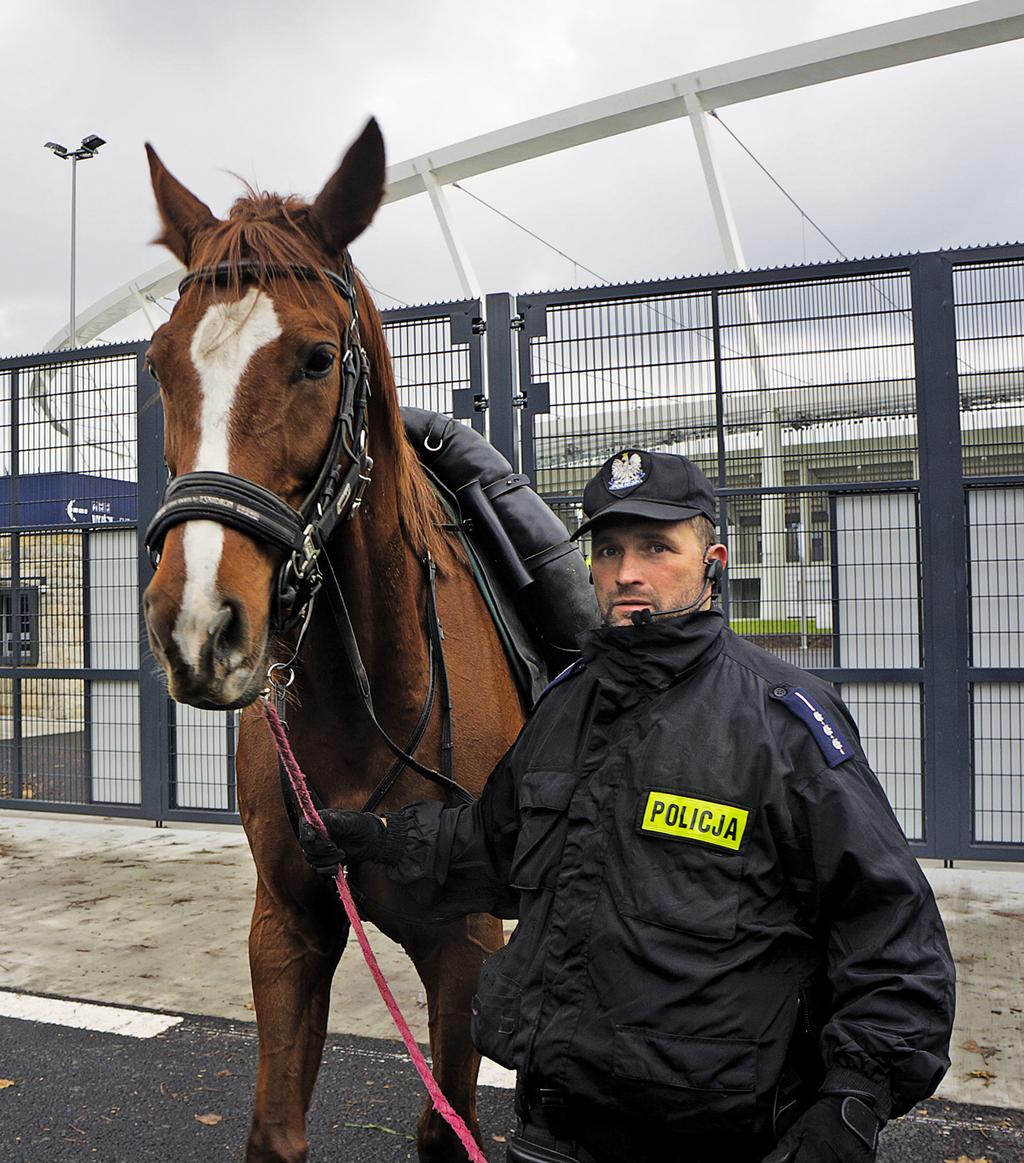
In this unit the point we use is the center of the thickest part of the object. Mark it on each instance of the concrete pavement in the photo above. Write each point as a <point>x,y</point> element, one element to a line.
<point>134,915</point>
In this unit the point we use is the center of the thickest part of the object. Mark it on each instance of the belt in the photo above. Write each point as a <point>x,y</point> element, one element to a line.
<point>556,1128</point>
<point>545,1115</point>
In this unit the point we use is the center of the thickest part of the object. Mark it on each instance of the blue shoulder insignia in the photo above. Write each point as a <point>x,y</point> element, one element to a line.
<point>833,744</point>
<point>573,668</point>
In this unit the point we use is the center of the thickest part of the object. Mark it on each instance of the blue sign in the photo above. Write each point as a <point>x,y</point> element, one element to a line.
<point>49,499</point>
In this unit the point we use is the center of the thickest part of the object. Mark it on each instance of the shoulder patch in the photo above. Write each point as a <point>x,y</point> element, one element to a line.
<point>832,743</point>
<point>570,670</point>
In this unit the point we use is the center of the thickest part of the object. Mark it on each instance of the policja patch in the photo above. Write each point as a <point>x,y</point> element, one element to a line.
<point>700,821</point>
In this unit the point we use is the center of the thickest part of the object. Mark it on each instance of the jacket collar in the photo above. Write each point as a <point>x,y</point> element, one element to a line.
<point>642,659</point>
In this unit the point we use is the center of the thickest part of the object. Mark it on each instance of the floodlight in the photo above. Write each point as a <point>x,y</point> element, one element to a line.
<point>85,151</point>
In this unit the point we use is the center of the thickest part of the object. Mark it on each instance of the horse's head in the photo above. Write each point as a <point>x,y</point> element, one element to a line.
<point>250,367</point>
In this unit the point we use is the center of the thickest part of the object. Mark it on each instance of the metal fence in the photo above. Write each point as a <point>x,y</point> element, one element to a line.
<point>863,422</point>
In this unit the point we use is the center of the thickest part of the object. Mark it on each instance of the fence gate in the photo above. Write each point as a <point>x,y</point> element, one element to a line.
<point>863,423</point>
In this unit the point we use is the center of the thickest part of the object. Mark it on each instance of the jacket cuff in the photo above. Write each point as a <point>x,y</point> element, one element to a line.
<point>396,833</point>
<point>841,1080</point>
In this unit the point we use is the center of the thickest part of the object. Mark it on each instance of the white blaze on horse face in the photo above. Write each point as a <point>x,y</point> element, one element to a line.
<point>224,342</point>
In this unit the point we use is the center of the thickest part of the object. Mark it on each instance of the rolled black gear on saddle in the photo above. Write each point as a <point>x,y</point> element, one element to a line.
<point>513,527</point>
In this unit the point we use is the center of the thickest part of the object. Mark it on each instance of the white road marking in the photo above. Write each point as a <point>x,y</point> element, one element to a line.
<point>80,1015</point>
<point>224,341</point>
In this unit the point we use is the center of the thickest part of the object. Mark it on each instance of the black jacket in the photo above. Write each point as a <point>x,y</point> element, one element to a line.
<point>708,879</point>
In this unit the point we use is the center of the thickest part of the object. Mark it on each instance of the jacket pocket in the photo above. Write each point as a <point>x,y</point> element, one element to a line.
<point>722,1065</point>
<point>543,805</point>
<point>685,885</point>
<point>495,1015</point>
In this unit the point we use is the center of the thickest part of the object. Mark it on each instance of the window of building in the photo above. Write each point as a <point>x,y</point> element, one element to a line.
<point>19,629</point>
<point>744,597</point>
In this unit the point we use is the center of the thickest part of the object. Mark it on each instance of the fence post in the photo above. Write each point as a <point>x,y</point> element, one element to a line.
<point>500,375</point>
<point>947,758</point>
<point>154,737</point>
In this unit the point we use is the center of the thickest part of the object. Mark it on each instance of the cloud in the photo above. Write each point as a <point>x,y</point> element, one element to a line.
<point>896,160</point>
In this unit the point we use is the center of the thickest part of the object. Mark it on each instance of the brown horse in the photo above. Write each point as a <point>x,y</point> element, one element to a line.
<point>254,367</point>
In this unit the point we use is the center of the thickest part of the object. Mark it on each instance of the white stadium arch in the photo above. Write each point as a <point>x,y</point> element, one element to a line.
<point>693,95</point>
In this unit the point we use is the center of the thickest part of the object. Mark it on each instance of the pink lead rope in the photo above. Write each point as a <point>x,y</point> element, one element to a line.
<point>298,782</point>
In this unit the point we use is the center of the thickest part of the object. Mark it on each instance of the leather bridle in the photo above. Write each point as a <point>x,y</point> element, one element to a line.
<point>242,504</point>
<point>303,534</point>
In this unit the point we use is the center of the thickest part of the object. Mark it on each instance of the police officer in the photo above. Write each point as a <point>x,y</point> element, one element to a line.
<point>725,950</point>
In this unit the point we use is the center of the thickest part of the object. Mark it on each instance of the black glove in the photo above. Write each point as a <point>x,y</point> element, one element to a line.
<point>354,837</point>
<point>838,1128</point>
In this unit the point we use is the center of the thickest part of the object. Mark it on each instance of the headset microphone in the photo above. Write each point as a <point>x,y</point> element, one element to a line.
<point>712,576</point>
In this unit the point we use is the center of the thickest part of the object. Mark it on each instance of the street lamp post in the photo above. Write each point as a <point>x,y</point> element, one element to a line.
<point>89,148</point>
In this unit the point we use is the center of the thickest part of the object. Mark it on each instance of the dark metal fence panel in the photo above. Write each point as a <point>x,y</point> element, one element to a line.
<point>437,357</point>
<point>68,593</point>
<point>823,404</point>
<point>989,301</point>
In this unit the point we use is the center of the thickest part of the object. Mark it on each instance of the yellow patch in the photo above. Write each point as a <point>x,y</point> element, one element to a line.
<point>688,818</point>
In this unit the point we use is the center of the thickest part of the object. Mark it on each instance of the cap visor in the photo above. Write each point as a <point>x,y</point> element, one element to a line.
<point>651,510</point>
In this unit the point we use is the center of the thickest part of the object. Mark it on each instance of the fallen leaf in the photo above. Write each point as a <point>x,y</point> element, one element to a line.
<point>499,1138</point>
<point>5,1083</point>
<point>964,1159</point>
<point>209,1120</point>
<point>223,1073</point>
<point>984,1076</point>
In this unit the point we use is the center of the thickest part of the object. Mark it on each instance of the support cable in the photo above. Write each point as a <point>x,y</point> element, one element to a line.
<point>532,234</point>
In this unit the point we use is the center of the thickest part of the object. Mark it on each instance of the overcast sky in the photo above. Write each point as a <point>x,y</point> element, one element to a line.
<point>915,158</point>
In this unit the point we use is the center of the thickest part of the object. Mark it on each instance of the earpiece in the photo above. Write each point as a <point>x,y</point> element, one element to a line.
<point>713,572</point>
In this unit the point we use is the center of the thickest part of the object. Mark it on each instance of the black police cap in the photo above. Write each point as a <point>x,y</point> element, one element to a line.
<point>658,486</point>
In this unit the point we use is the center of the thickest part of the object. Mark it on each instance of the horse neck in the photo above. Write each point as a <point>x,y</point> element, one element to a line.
<point>383,584</point>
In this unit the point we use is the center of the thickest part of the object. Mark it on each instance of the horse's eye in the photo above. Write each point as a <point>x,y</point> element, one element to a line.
<point>319,362</point>
<point>152,371</point>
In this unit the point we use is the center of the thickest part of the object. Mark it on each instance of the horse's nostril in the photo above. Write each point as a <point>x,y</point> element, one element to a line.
<point>226,630</point>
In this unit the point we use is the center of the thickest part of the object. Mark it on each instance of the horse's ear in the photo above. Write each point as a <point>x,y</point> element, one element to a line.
<point>346,205</point>
<point>181,212</point>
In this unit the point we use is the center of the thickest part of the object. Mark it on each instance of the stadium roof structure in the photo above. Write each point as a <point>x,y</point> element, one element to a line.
<point>692,95</point>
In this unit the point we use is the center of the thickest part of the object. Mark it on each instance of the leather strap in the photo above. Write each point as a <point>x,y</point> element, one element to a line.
<point>351,648</point>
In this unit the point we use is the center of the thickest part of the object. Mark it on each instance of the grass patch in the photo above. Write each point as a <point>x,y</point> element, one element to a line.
<point>754,626</point>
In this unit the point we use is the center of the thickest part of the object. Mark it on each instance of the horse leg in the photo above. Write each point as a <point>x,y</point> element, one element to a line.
<point>293,954</point>
<point>448,960</point>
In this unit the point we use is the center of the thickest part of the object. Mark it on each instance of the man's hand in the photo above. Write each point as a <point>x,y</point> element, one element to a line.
<point>354,837</point>
<point>838,1128</point>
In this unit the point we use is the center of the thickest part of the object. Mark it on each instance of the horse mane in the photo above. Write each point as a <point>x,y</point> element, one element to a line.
<point>269,234</point>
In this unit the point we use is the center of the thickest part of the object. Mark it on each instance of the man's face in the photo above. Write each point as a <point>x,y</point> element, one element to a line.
<point>648,565</point>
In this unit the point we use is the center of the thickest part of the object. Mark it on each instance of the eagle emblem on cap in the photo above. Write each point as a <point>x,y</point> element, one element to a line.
<point>626,471</point>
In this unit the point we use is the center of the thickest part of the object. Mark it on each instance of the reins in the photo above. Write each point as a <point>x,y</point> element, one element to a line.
<point>312,817</point>
<point>305,570</point>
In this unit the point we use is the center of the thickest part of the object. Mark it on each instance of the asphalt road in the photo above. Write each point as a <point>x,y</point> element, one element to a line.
<point>185,1095</point>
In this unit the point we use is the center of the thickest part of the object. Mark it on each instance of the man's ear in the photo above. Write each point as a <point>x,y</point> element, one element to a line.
<point>717,558</point>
